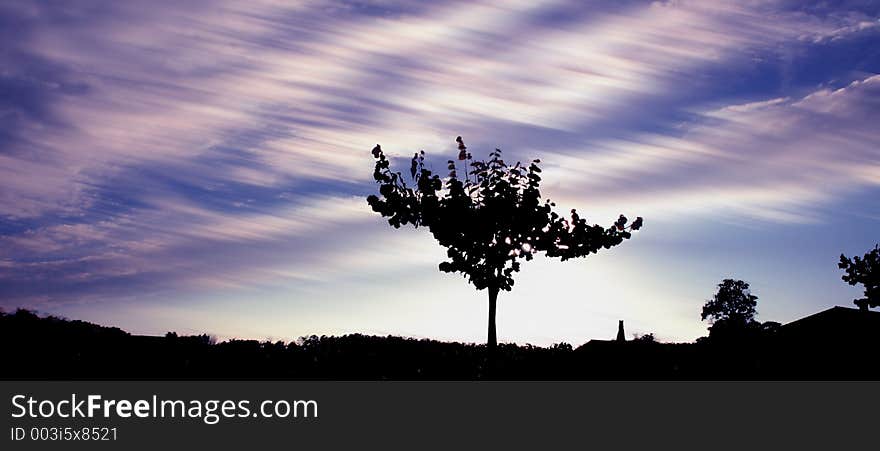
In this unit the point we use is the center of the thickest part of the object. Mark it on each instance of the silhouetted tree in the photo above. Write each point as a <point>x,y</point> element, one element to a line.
<point>490,220</point>
<point>732,309</point>
<point>866,271</point>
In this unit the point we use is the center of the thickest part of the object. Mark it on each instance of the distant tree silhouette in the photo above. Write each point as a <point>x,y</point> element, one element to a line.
<point>866,271</point>
<point>732,309</point>
<point>645,338</point>
<point>490,220</point>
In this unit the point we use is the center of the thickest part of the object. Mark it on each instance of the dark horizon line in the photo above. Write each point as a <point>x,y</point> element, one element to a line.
<point>42,315</point>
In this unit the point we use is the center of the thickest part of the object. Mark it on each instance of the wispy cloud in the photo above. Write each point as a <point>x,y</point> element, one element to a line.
<point>775,160</point>
<point>170,85</point>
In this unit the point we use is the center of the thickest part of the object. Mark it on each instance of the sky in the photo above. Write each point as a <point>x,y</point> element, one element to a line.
<point>202,166</point>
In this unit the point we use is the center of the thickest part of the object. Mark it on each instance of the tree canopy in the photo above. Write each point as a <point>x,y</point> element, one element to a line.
<point>492,219</point>
<point>733,304</point>
<point>866,271</point>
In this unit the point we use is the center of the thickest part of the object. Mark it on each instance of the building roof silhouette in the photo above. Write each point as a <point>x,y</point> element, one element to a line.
<point>835,325</point>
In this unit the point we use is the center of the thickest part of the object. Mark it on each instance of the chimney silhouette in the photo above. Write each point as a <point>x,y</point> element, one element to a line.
<point>620,336</point>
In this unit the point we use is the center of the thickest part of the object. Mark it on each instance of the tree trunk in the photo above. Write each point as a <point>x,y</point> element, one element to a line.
<point>492,342</point>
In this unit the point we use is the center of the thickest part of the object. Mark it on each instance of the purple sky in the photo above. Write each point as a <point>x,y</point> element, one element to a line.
<point>201,166</point>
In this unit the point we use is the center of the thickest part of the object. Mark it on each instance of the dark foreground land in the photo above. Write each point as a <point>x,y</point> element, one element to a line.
<point>838,344</point>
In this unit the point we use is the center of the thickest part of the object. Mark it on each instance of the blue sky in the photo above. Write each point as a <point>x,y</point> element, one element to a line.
<point>202,166</point>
